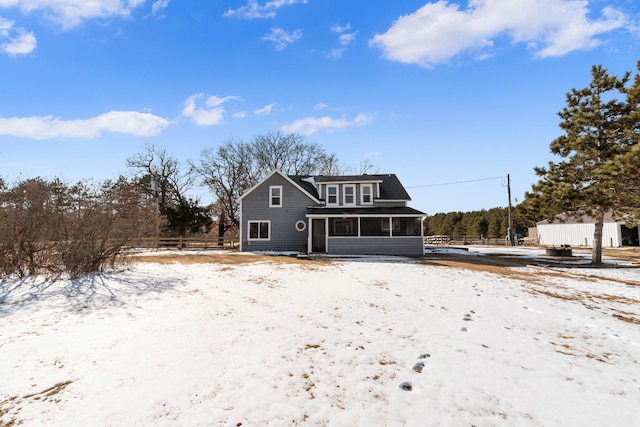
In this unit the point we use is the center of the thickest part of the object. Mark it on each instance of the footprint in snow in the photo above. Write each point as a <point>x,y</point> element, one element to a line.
<point>424,356</point>
<point>463,330</point>
<point>417,367</point>
<point>405,386</point>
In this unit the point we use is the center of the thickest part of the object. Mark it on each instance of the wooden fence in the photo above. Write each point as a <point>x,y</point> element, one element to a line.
<point>468,240</point>
<point>188,243</point>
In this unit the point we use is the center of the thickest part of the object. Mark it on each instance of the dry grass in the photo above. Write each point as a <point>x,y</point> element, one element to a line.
<point>231,258</point>
<point>627,254</point>
<point>13,404</point>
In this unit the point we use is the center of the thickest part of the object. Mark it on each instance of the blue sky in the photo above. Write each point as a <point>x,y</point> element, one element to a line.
<point>437,92</point>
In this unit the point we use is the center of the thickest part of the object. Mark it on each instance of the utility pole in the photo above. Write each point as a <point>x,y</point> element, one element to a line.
<point>510,221</point>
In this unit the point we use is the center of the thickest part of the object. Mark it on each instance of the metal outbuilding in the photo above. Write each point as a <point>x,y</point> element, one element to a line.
<point>580,232</point>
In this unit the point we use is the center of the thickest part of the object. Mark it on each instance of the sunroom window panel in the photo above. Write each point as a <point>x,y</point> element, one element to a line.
<point>374,226</point>
<point>406,226</point>
<point>341,227</point>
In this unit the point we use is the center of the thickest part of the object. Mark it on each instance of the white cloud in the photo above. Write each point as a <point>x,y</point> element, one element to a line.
<point>281,38</point>
<point>336,53</point>
<point>70,13</point>
<point>440,30</point>
<point>210,113</point>
<point>345,37</point>
<point>267,109</point>
<point>49,127</point>
<point>15,41</point>
<point>322,106</point>
<point>253,10</point>
<point>159,6</point>
<point>239,115</point>
<point>311,125</point>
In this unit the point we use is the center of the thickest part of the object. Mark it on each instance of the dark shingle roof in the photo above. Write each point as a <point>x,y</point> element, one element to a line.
<point>301,180</point>
<point>364,211</point>
<point>347,178</point>
<point>390,186</point>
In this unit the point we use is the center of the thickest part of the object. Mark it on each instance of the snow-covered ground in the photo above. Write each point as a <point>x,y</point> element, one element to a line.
<point>354,342</point>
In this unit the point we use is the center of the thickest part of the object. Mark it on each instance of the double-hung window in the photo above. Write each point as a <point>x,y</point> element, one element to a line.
<point>259,230</point>
<point>275,196</point>
<point>332,195</point>
<point>366,194</point>
<point>349,196</point>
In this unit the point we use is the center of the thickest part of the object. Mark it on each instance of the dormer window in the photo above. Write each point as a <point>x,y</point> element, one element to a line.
<point>332,195</point>
<point>366,194</point>
<point>275,196</point>
<point>349,195</point>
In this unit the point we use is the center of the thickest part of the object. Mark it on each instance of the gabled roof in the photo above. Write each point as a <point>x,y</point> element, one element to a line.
<point>390,186</point>
<point>296,183</point>
<point>304,182</point>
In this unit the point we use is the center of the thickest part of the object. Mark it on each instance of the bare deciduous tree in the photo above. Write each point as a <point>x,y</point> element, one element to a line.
<point>236,166</point>
<point>169,182</point>
<point>163,175</point>
<point>228,172</point>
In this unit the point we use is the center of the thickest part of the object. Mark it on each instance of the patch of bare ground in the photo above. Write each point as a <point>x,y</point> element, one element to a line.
<point>11,406</point>
<point>627,254</point>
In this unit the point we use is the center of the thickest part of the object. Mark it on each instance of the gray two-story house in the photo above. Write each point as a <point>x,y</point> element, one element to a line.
<point>343,215</point>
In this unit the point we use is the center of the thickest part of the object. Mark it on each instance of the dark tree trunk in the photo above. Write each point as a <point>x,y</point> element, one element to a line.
<point>596,255</point>
<point>221,229</point>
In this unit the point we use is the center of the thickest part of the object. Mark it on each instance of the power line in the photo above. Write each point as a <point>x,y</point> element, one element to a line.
<point>456,182</point>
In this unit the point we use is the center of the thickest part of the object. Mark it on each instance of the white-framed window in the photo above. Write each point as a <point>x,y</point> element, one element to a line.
<point>259,230</point>
<point>343,227</point>
<point>332,194</point>
<point>301,225</point>
<point>366,194</point>
<point>349,195</point>
<point>275,196</point>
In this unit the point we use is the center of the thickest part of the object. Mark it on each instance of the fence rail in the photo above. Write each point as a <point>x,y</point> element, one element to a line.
<point>187,243</point>
<point>468,240</point>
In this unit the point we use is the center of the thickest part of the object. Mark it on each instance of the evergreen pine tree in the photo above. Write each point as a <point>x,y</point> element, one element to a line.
<point>600,156</point>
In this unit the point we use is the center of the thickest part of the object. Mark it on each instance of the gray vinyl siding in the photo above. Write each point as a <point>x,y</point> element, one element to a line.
<point>283,234</point>
<point>408,246</point>
<point>389,204</point>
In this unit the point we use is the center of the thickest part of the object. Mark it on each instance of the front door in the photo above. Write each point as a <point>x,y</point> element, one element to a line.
<point>318,235</point>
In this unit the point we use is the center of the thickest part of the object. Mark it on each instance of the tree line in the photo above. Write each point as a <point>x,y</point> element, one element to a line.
<point>48,226</point>
<point>487,223</point>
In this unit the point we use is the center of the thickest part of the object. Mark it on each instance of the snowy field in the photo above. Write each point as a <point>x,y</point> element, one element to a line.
<point>241,340</point>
